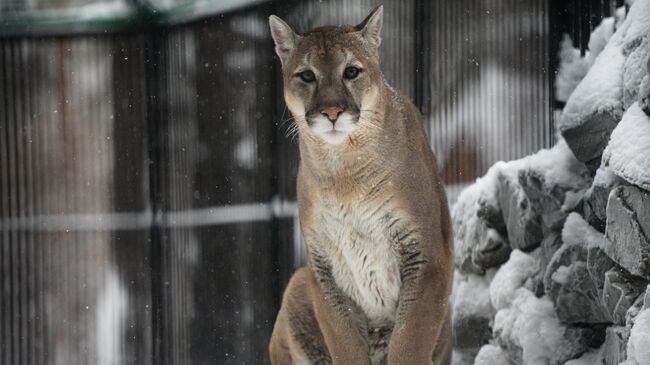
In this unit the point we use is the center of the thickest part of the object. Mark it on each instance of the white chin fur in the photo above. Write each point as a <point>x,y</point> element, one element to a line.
<point>333,137</point>
<point>333,134</point>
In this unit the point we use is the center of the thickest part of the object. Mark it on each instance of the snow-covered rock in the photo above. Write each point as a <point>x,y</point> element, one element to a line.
<point>534,191</point>
<point>598,102</point>
<point>472,311</point>
<point>512,205</point>
<point>522,222</point>
<point>550,179</point>
<point>635,74</point>
<point>571,281</point>
<point>476,216</point>
<point>644,92</point>
<point>532,334</point>
<point>492,355</point>
<point>595,199</point>
<point>573,67</point>
<point>514,274</point>
<point>646,298</point>
<point>573,290</point>
<point>460,357</point>
<point>595,107</point>
<point>636,50</point>
<point>634,310</point>
<point>627,154</point>
<point>638,346</point>
<point>571,71</point>
<point>615,346</point>
<point>550,244</point>
<point>628,229</point>
<point>620,290</point>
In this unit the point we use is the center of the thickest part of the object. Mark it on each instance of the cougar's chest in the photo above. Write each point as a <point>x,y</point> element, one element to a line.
<point>364,263</point>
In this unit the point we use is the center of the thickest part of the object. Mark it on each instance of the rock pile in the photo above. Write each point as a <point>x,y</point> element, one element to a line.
<point>553,250</point>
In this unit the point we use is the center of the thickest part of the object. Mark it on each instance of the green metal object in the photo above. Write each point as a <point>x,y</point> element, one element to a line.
<point>110,17</point>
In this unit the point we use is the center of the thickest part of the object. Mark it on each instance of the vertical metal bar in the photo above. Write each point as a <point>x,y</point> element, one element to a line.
<point>155,95</point>
<point>44,204</point>
<point>585,25</point>
<point>552,45</point>
<point>30,268</point>
<point>5,313</point>
<point>419,76</point>
<point>13,205</point>
<point>21,189</point>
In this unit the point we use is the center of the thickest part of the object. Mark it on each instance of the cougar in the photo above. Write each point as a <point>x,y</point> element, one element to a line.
<point>372,208</point>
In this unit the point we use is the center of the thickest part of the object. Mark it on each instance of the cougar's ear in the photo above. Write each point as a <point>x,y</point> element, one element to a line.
<point>370,28</point>
<point>284,37</point>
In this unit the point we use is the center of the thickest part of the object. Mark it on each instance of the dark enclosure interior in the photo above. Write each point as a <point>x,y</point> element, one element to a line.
<point>147,187</point>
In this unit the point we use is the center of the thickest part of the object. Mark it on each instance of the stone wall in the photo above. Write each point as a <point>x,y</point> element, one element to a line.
<point>553,250</point>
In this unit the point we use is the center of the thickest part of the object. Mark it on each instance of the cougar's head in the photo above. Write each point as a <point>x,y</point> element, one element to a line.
<point>331,76</point>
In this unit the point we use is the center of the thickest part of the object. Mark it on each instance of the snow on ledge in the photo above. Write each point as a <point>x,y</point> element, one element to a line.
<point>628,151</point>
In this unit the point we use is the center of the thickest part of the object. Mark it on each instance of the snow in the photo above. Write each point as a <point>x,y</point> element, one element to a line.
<point>573,67</point>
<point>111,314</point>
<point>472,295</point>
<point>571,71</point>
<point>559,166</point>
<point>462,358</point>
<point>109,9</point>
<point>484,187</point>
<point>635,71</point>
<point>601,89</point>
<point>466,224</point>
<point>562,274</point>
<point>639,21</point>
<point>577,231</point>
<point>606,178</point>
<point>491,355</point>
<point>638,347</point>
<point>571,200</point>
<point>627,153</point>
<point>96,10</point>
<point>531,323</point>
<point>510,277</point>
<point>599,38</point>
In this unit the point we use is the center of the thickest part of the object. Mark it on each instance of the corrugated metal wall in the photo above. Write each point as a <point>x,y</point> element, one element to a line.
<point>147,186</point>
<point>111,147</point>
<point>67,168</point>
<point>489,95</point>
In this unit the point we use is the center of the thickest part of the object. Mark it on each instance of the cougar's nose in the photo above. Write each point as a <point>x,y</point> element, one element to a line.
<point>332,113</point>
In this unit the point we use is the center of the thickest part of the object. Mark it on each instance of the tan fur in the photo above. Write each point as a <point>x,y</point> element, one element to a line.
<point>369,205</point>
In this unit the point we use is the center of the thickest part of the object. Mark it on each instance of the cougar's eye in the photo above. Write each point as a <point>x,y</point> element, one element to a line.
<point>307,76</point>
<point>351,72</point>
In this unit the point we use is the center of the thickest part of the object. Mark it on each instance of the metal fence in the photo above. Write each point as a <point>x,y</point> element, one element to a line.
<point>147,188</point>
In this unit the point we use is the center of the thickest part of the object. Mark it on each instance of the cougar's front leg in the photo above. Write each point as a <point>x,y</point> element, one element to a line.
<point>342,322</point>
<point>297,338</point>
<point>423,306</point>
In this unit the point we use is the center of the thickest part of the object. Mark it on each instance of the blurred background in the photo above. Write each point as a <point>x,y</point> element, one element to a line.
<point>147,185</point>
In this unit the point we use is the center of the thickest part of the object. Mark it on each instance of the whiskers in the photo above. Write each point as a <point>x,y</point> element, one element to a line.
<point>290,125</point>
<point>292,131</point>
